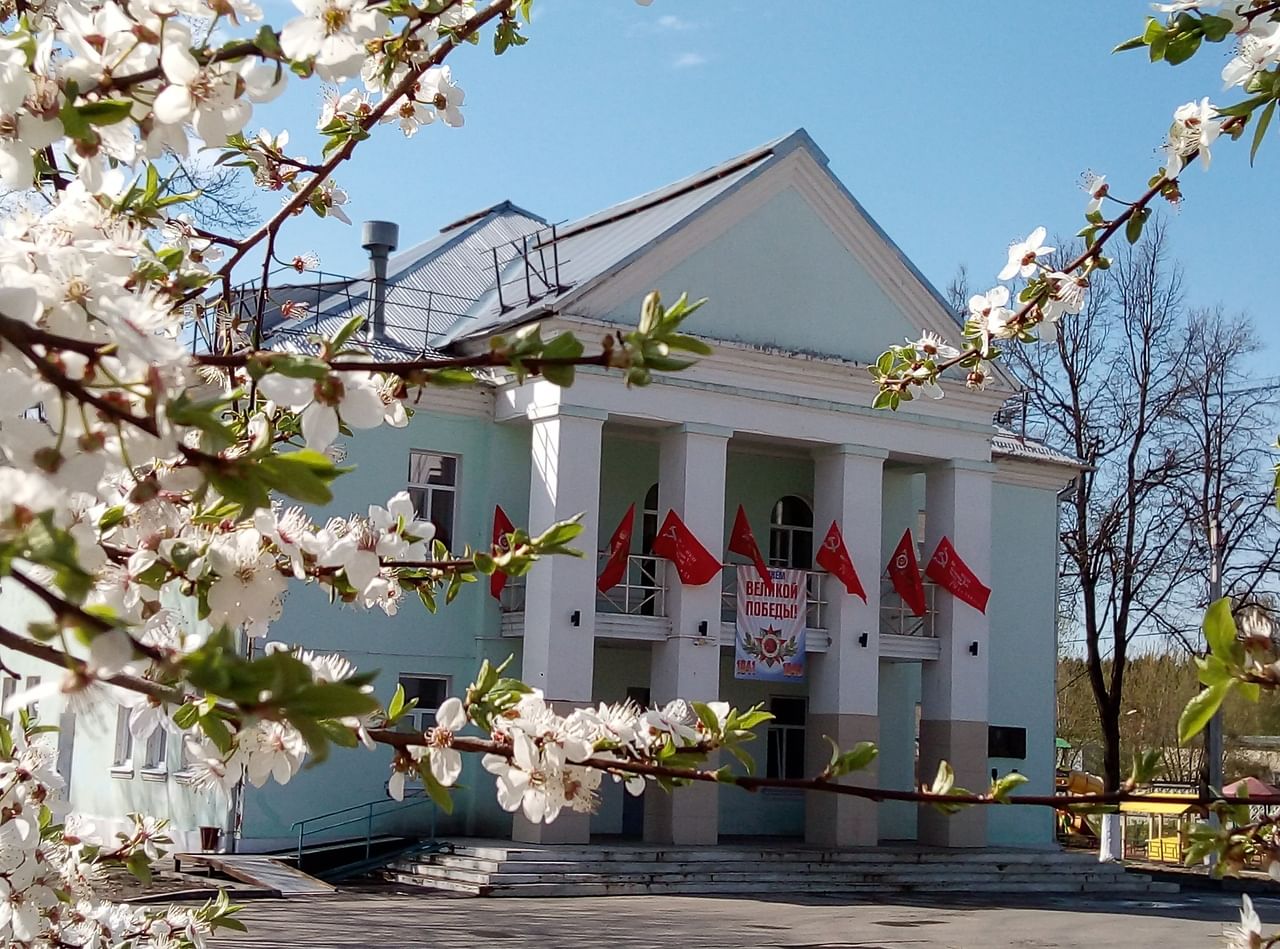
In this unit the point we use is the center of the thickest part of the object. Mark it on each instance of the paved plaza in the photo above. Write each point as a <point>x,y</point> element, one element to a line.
<point>387,919</point>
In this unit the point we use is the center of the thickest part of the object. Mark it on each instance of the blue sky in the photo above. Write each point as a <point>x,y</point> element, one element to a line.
<point>958,126</point>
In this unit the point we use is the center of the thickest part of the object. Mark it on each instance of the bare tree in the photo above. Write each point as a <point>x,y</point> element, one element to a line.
<point>1226,425</point>
<point>225,203</point>
<point>1107,393</point>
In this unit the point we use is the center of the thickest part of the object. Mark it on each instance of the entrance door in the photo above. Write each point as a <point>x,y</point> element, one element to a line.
<point>632,806</point>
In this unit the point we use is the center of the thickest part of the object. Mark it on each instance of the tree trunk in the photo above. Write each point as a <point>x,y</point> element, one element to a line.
<point>1112,768</point>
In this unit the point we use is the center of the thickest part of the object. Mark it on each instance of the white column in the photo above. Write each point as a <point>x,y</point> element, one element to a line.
<point>560,594</point>
<point>691,468</point>
<point>953,703</point>
<point>844,682</point>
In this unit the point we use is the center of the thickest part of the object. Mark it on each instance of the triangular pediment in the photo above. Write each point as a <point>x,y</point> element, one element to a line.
<point>788,261</point>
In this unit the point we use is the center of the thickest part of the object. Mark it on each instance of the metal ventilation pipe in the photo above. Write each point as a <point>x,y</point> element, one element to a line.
<point>379,238</point>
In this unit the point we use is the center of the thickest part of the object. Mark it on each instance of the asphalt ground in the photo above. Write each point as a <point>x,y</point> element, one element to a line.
<point>392,918</point>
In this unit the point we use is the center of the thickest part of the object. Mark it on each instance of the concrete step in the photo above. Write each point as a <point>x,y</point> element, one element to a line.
<point>784,881</point>
<point>466,865</point>
<point>641,889</point>
<point>434,883</point>
<point>722,855</point>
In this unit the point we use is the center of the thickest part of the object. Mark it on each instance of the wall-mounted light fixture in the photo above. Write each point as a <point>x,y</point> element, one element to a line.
<point>862,640</point>
<point>575,618</point>
<point>702,628</point>
<point>973,648</point>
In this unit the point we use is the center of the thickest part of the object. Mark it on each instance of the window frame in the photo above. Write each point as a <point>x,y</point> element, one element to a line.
<point>8,689</point>
<point>785,733</point>
<point>122,753</point>
<point>158,768</point>
<point>788,531</point>
<point>421,712</point>
<point>455,490</point>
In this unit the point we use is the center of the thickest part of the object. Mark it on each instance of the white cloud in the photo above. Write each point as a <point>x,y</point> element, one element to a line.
<point>670,21</point>
<point>689,61</point>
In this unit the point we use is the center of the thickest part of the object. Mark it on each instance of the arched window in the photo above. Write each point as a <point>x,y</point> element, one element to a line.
<point>649,520</point>
<point>649,567</point>
<point>791,533</point>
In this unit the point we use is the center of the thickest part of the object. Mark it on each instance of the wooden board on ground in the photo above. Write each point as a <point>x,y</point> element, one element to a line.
<point>259,870</point>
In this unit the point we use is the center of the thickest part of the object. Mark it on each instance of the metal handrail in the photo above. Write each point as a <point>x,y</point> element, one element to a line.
<point>419,797</point>
<point>896,618</point>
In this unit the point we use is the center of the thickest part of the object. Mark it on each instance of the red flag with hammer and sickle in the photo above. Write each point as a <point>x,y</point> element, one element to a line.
<point>502,526</point>
<point>742,541</point>
<point>948,571</point>
<point>833,557</point>
<point>619,549</point>
<point>904,571</point>
<point>694,563</point>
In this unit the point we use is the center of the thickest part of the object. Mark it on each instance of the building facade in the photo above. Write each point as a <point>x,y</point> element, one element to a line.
<point>804,291</point>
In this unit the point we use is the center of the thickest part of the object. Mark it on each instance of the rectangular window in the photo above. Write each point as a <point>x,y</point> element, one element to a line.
<point>433,486</point>
<point>1006,741</point>
<point>430,691</point>
<point>785,737</point>
<point>7,690</point>
<point>122,760</point>
<point>155,757</point>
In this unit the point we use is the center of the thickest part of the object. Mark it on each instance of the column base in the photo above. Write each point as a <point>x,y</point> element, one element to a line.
<point>964,746</point>
<point>836,820</point>
<point>569,827</point>
<point>687,815</point>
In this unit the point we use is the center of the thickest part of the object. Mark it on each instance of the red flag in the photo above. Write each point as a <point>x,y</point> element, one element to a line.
<point>502,526</point>
<point>676,543</point>
<point>742,541</point>
<point>615,567</point>
<point>833,557</point>
<point>948,571</point>
<point>904,571</point>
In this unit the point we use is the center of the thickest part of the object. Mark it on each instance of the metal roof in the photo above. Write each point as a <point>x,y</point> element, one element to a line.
<point>1010,445</point>
<point>599,243</point>
<point>430,287</point>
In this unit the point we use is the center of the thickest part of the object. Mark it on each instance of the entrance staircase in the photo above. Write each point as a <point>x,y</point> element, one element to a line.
<point>501,868</point>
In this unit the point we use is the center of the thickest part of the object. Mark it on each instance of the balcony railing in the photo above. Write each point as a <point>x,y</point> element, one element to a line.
<point>642,592</point>
<point>896,619</point>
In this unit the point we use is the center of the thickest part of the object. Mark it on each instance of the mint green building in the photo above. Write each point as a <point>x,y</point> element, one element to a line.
<point>804,291</point>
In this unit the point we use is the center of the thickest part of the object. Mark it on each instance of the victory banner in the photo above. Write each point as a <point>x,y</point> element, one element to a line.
<point>770,629</point>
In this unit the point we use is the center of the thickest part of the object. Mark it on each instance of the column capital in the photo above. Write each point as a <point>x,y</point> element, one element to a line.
<point>854,451</point>
<point>542,413</point>
<point>699,428</point>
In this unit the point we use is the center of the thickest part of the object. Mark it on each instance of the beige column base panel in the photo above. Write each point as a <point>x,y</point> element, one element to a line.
<point>687,815</point>
<point>964,746</point>
<point>837,820</point>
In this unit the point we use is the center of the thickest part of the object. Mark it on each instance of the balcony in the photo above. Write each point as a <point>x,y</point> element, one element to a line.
<point>636,609</point>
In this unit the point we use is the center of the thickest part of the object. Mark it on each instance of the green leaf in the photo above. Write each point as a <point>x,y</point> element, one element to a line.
<point>139,866</point>
<point>1133,228</point>
<point>1216,28</point>
<point>396,706</point>
<point>187,716</point>
<point>1264,120</point>
<point>945,779</point>
<point>1000,788</point>
<point>1200,709</point>
<point>348,330</point>
<point>1220,630</point>
<point>1182,48</point>
<point>106,111</point>
<point>1136,42</point>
